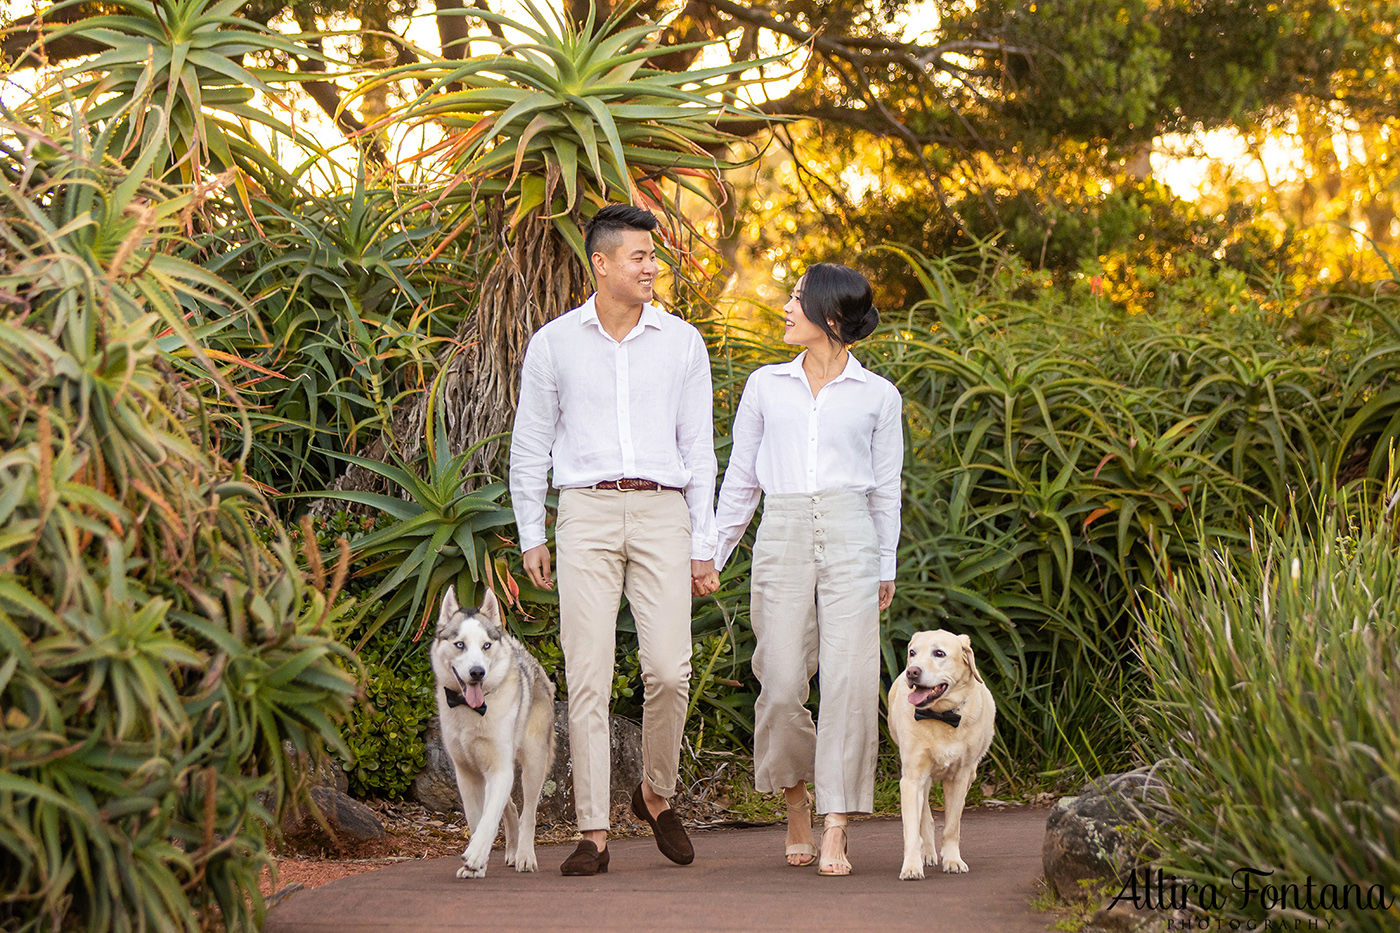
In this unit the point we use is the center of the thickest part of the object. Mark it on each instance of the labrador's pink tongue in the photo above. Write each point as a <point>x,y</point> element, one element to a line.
<point>920,695</point>
<point>473,695</point>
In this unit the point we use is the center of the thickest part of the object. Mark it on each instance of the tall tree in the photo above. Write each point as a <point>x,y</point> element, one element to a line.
<point>535,139</point>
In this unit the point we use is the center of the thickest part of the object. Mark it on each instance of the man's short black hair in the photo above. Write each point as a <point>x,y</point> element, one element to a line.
<point>602,231</point>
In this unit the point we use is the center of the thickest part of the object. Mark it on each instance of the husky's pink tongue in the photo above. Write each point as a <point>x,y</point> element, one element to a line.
<point>473,695</point>
<point>920,695</point>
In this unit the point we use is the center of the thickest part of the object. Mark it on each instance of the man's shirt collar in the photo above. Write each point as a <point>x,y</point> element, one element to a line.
<point>651,315</point>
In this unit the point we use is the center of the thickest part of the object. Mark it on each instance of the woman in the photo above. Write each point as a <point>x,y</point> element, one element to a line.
<point>821,437</point>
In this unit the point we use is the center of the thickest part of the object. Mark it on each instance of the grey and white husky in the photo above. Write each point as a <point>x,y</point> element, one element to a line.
<point>496,707</point>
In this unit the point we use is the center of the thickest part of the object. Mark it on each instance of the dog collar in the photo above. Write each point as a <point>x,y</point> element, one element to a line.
<point>455,699</point>
<point>951,716</point>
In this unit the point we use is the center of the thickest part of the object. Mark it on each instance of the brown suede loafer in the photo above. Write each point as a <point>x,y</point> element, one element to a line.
<point>586,860</point>
<point>670,834</point>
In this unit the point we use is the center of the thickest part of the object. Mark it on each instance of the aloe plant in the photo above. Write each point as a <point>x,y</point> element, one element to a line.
<point>534,138</point>
<point>442,534</point>
<point>183,62</point>
<point>349,322</point>
<point>159,656</point>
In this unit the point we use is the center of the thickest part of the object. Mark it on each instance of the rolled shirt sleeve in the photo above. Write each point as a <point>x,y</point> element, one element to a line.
<point>887,459</point>
<point>739,495</point>
<point>695,440</point>
<point>531,441</point>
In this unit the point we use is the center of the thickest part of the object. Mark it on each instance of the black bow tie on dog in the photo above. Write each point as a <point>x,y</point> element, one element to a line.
<point>455,699</point>
<point>951,717</point>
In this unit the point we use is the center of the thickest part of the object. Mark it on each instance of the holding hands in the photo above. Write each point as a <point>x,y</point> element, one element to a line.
<point>704,579</point>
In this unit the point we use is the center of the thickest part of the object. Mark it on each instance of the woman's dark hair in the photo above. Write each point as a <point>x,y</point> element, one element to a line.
<point>838,300</point>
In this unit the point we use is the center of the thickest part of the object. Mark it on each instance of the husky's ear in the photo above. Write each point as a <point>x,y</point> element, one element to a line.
<point>971,663</point>
<point>449,609</point>
<point>490,609</point>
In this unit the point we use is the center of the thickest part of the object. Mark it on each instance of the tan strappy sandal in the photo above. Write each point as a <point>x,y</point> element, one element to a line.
<point>839,867</point>
<point>807,851</point>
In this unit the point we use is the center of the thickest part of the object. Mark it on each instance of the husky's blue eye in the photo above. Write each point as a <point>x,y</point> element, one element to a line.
<point>460,645</point>
<point>486,646</point>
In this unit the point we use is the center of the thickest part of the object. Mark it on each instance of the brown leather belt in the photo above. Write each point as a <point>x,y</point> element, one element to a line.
<point>635,485</point>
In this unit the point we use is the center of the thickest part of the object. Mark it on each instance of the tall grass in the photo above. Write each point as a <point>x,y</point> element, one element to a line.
<point>1274,705</point>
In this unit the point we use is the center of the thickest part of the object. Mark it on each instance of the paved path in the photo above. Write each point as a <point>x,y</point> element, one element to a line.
<point>738,882</point>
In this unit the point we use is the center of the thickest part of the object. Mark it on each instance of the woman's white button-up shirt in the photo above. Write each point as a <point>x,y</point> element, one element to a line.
<point>785,441</point>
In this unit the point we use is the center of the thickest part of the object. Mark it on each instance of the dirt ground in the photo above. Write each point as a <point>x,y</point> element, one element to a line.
<point>415,832</point>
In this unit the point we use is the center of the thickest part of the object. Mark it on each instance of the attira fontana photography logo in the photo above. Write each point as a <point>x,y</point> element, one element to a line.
<point>1250,890</point>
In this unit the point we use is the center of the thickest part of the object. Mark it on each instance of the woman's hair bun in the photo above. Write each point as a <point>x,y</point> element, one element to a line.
<point>866,327</point>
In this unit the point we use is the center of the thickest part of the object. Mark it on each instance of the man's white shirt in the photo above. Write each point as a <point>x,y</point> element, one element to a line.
<point>785,441</point>
<point>597,409</point>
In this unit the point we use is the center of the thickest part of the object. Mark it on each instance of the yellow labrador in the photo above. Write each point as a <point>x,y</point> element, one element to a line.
<point>941,715</point>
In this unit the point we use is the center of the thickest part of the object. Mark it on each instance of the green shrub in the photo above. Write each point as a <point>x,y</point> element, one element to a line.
<point>1274,685</point>
<point>384,732</point>
<point>156,657</point>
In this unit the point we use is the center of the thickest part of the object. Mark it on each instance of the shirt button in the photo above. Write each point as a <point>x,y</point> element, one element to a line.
<point>817,515</point>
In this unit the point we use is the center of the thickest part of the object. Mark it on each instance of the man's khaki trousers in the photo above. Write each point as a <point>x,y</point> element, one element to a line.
<point>610,542</point>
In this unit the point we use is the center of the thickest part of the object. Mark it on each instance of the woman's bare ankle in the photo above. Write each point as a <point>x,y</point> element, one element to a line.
<point>799,824</point>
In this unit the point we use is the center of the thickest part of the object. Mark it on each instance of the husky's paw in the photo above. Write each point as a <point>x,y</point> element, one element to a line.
<point>510,858</point>
<point>953,865</point>
<point>525,861</point>
<point>929,855</point>
<point>911,871</point>
<point>473,866</point>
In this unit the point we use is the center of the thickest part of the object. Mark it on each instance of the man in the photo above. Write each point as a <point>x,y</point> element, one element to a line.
<point>615,396</point>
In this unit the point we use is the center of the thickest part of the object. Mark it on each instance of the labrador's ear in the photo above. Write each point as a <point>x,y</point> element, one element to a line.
<point>449,609</point>
<point>968,659</point>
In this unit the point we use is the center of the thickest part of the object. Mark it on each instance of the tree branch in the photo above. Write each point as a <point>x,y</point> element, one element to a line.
<point>23,45</point>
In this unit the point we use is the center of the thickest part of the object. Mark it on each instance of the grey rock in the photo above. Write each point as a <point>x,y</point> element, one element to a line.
<point>1095,836</point>
<point>351,823</point>
<point>436,786</point>
<point>1124,918</point>
<point>557,800</point>
<point>326,773</point>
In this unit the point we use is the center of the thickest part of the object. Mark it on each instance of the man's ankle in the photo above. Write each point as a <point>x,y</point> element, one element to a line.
<point>654,801</point>
<point>599,837</point>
